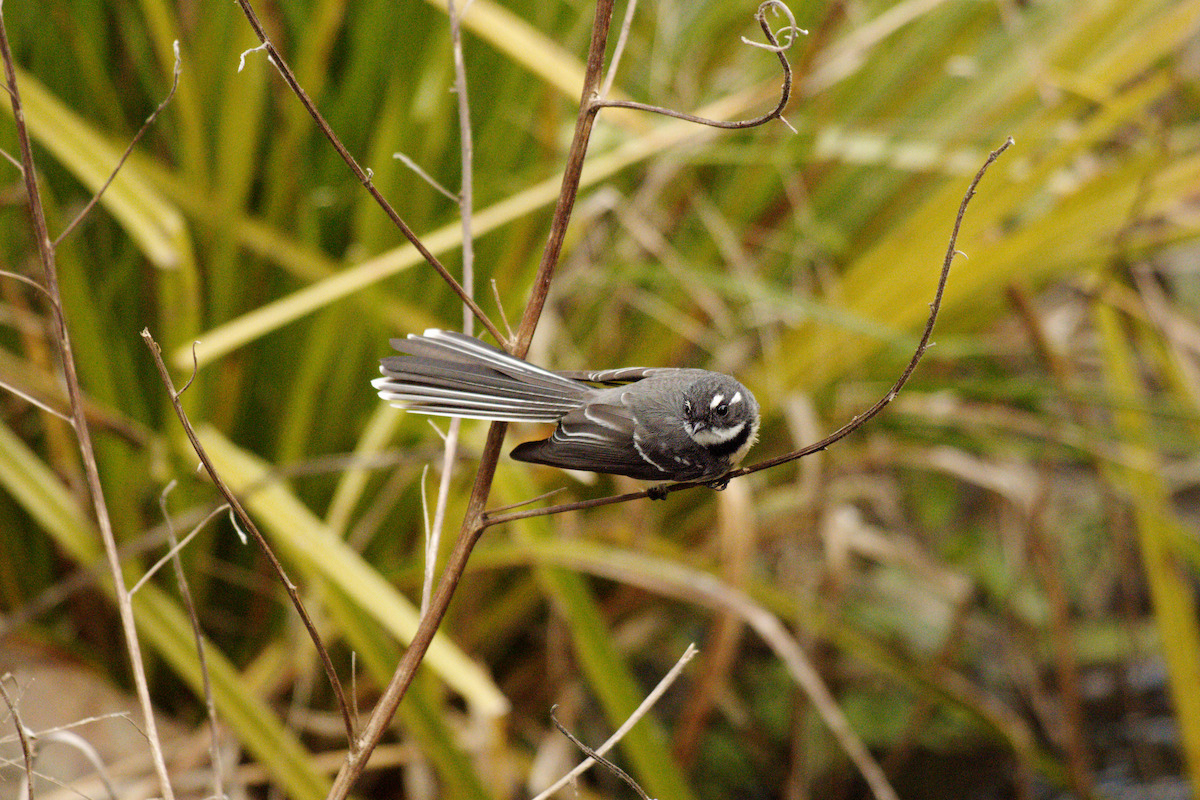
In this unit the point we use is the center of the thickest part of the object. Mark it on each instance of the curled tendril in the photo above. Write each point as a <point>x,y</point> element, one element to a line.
<point>772,45</point>
<point>791,29</point>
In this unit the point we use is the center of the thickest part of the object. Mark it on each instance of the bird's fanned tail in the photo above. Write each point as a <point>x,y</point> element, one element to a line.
<point>450,374</point>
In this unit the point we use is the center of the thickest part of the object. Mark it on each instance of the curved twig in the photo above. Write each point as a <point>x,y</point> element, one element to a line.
<point>25,279</point>
<point>859,420</point>
<point>128,150</point>
<point>774,46</point>
<point>658,492</point>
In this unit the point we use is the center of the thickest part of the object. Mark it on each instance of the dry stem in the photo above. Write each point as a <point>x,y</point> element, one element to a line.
<point>363,176</point>
<point>248,525</point>
<point>46,255</point>
<point>22,736</point>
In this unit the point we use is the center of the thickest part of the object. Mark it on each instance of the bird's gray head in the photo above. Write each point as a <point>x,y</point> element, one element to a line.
<point>721,415</point>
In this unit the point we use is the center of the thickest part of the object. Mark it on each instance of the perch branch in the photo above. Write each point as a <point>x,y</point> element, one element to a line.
<point>474,522</point>
<point>658,492</point>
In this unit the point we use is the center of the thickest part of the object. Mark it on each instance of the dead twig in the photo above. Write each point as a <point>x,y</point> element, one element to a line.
<point>363,176</point>
<point>22,734</point>
<point>774,46</point>
<point>594,756</point>
<point>185,593</point>
<point>47,258</point>
<point>128,150</point>
<point>248,525</point>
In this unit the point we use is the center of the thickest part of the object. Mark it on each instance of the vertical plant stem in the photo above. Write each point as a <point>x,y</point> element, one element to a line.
<point>466,199</point>
<point>466,192</point>
<point>185,593</point>
<point>46,255</point>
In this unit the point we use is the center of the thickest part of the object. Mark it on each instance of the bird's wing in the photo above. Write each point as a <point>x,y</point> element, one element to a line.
<point>597,437</point>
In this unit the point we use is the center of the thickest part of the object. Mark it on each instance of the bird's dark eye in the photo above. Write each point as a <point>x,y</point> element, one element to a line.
<point>687,407</point>
<point>721,410</point>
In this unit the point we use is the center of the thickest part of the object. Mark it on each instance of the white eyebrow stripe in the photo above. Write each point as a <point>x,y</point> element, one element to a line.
<point>717,400</point>
<point>737,398</point>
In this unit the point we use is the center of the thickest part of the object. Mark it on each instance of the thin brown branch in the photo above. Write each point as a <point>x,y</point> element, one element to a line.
<point>922,346</point>
<point>9,157</point>
<point>362,175</point>
<point>46,256</point>
<point>377,724</point>
<point>22,735</point>
<point>33,401</point>
<point>774,46</point>
<point>175,545</point>
<point>638,713</point>
<point>247,524</point>
<point>659,492</point>
<point>523,503</point>
<point>128,150</point>
<point>25,279</point>
<point>599,759</point>
<point>588,108</point>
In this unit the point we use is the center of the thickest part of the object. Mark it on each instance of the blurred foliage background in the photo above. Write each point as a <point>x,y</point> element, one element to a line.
<point>996,579</point>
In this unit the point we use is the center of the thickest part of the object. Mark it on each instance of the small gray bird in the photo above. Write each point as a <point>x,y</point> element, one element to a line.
<point>683,425</point>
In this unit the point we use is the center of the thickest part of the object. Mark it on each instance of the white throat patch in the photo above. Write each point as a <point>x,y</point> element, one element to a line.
<point>714,436</point>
